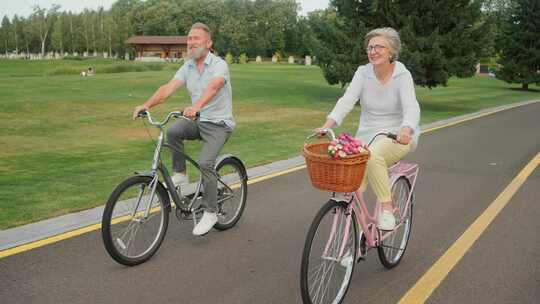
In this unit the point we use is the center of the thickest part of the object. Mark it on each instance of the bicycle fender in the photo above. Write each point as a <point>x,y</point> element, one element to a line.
<point>225,156</point>
<point>145,173</point>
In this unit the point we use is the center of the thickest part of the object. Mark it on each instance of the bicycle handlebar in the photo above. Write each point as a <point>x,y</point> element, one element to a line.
<point>175,114</point>
<point>323,132</point>
<point>332,136</point>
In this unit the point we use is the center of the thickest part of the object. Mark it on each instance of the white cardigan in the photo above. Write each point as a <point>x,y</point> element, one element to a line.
<point>385,108</point>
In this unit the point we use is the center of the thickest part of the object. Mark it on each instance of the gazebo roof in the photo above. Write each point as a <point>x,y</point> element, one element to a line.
<point>157,40</point>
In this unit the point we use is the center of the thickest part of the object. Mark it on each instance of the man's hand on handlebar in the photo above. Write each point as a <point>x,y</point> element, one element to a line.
<point>191,112</point>
<point>139,109</point>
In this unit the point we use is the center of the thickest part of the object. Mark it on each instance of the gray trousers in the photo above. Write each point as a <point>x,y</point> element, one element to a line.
<point>214,136</point>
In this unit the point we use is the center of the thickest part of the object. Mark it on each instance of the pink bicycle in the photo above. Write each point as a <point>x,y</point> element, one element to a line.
<point>344,230</point>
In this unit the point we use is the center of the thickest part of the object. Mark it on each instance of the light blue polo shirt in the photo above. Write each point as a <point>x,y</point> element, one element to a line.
<point>219,109</point>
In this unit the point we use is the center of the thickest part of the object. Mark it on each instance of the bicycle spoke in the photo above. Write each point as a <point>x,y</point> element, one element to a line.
<point>124,232</point>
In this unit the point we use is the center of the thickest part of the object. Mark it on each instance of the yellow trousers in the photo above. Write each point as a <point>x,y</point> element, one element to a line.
<point>384,152</point>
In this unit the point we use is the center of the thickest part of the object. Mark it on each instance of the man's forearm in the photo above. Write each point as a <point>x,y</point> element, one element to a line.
<point>163,93</point>
<point>211,91</point>
<point>206,97</point>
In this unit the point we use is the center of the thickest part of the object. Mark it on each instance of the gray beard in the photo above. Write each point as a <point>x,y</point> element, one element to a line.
<point>197,53</point>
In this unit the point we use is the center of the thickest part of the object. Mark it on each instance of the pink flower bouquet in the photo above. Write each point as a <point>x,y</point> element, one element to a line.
<point>345,145</point>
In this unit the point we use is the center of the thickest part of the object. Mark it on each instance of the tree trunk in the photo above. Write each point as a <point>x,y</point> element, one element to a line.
<point>43,41</point>
<point>16,44</point>
<point>525,86</point>
<point>71,35</point>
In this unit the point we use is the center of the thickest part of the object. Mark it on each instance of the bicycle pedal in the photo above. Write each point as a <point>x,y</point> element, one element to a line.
<point>187,215</point>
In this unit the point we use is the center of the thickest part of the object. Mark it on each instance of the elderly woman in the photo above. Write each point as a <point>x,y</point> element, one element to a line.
<point>386,92</point>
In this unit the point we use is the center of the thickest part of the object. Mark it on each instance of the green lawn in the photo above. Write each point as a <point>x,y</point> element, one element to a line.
<point>66,141</point>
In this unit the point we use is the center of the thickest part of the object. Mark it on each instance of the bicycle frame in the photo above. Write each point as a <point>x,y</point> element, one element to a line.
<point>367,220</point>
<point>157,166</point>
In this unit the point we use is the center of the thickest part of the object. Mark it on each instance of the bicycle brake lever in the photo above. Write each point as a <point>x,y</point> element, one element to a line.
<point>392,136</point>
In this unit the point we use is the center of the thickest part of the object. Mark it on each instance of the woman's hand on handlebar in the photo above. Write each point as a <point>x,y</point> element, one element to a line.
<point>139,109</point>
<point>320,132</point>
<point>404,136</point>
<point>329,124</point>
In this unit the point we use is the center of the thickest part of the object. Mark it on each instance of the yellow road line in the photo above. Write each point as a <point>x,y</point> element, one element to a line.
<point>425,286</point>
<point>50,240</point>
<point>77,232</point>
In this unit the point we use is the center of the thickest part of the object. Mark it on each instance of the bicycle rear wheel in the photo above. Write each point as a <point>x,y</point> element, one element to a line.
<point>393,247</point>
<point>232,192</point>
<point>130,235</point>
<point>329,255</point>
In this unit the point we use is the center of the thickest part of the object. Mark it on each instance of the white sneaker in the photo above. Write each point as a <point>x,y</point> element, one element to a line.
<point>208,220</point>
<point>180,180</point>
<point>386,220</point>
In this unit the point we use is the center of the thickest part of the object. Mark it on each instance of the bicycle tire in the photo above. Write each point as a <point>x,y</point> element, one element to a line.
<point>321,259</point>
<point>125,199</point>
<point>392,249</point>
<point>231,200</point>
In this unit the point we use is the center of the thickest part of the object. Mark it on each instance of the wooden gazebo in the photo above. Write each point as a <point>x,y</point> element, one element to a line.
<point>165,47</point>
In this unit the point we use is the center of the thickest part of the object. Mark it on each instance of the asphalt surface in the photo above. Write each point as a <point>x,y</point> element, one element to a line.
<point>463,169</point>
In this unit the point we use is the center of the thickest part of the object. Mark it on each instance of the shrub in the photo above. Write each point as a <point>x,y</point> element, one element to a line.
<point>243,58</point>
<point>229,58</point>
<point>130,67</point>
<point>64,70</point>
<point>71,57</point>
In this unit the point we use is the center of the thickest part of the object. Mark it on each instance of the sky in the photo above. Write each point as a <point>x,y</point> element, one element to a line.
<point>24,7</point>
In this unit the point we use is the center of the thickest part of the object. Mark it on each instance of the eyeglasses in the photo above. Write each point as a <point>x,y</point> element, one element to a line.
<point>377,47</point>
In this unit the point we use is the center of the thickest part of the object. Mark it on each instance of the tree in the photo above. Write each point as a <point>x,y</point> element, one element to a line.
<point>123,12</point>
<point>519,44</point>
<point>336,46</point>
<point>5,35</point>
<point>42,22</point>
<point>17,32</point>
<point>109,32</point>
<point>436,44</point>
<point>232,35</point>
<point>59,33</point>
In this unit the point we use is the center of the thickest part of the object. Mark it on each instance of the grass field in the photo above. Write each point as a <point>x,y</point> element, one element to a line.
<point>66,141</point>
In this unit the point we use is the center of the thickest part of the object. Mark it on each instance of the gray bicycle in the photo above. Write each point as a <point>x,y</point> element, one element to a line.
<point>136,215</point>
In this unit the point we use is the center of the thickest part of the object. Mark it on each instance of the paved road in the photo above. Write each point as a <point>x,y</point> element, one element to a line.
<point>463,169</point>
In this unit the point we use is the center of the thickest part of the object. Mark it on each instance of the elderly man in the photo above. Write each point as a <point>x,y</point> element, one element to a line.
<point>207,80</point>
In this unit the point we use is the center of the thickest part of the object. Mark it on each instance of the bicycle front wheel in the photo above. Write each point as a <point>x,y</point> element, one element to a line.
<point>393,247</point>
<point>232,192</point>
<point>135,221</point>
<point>329,255</point>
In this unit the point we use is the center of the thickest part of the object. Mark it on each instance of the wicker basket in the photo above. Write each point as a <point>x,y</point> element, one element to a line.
<point>335,175</point>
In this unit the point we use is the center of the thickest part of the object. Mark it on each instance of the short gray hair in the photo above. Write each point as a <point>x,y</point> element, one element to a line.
<point>391,36</point>
<point>201,26</point>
